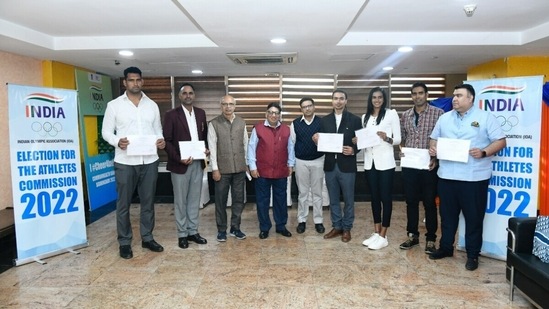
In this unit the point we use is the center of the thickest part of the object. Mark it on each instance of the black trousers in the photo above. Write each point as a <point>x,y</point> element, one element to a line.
<point>421,185</point>
<point>469,197</point>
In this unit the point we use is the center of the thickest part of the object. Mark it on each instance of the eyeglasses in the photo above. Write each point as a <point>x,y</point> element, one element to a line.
<point>273,113</point>
<point>307,106</point>
<point>228,104</point>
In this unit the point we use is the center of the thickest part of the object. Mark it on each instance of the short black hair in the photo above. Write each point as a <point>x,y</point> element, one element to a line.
<point>131,70</point>
<point>467,87</point>
<point>340,91</point>
<point>186,84</point>
<point>275,105</point>
<point>306,99</point>
<point>419,84</point>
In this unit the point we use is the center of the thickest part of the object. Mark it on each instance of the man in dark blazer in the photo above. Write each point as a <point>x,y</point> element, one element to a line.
<point>340,168</point>
<point>186,123</point>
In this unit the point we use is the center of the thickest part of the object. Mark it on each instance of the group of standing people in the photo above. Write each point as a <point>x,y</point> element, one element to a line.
<point>274,149</point>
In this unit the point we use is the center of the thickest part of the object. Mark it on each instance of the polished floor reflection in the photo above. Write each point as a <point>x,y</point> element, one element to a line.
<point>304,271</point>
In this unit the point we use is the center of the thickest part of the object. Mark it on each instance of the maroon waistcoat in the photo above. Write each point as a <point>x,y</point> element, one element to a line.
<point>272,151</point>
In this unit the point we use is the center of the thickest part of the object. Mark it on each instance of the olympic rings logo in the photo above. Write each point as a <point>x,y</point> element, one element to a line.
<point>47,128</point>
<point>98,106</point>
<point>508,123</point>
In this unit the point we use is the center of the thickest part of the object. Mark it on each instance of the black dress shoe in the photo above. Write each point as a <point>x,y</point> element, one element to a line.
<point>152,245</point>
<point>471,264</point>
<point>263,235</point>
<point>319,227</point>
<point>440,254</point>
<point>284,233</point>
<point>183,243</point>
<point>126,252</point>
<point>300,228</point>
<point>197,239</point>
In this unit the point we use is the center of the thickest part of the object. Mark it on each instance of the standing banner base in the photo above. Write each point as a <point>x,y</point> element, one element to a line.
<point>38,258</point>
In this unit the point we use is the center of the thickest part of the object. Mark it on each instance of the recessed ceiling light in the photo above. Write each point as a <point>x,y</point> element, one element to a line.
<point>125,53</point>
<point>278,41</point>
<point>387,68</point>
<point>405,49</point>
<point>197,71</point>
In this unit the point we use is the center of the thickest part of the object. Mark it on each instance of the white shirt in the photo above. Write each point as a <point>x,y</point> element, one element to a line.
<point>191,122</point>
<point>123,118</point>
<point>338,118</point>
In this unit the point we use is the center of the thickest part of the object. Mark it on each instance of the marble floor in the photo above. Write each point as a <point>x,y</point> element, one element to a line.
<point>304,271</point>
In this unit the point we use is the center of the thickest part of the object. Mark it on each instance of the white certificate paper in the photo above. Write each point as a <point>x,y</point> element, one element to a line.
<point>141,145</point>
<point>367,137</point>
<point>415,158</point>
<point>452,149</point>
<point>194,149</point>
<point>330,142</point>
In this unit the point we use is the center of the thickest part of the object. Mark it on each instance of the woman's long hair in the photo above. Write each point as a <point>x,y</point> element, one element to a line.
<point>370,106</point>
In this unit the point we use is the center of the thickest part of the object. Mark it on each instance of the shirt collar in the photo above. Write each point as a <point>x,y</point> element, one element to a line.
<point>467,113</point>
<point>187,112</point>
<point>266,123</point>
<point>308,122</point>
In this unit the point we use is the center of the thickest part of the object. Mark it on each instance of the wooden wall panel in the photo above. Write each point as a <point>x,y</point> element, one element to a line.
<point>254,93</point>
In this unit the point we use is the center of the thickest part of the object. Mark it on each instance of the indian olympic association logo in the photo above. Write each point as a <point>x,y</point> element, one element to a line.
<point>507,123</point>
<point>47,128</point>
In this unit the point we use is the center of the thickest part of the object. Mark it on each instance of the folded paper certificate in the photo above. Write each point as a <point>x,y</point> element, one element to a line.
<point>141,145</point>
<point>194,149</point>
<point>330,142</point>
<point>452,149</point>
<point>367,137</point>
<point>415,158</point>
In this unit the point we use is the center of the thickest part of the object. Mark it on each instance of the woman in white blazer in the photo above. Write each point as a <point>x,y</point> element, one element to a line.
<point>379,164</point>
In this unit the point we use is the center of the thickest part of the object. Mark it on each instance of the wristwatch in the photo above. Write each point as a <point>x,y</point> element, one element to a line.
<point>483,154</point>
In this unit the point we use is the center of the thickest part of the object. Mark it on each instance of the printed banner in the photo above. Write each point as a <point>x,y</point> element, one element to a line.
<point>45,169</point>
<point>94,92</point>
<point>513,190</point>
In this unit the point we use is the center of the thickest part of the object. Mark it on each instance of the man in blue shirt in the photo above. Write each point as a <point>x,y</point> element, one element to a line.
<point>463,187</point>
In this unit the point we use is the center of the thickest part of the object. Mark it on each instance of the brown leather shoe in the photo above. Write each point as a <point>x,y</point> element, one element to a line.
<point>333,233</point>
<point>346,237</point>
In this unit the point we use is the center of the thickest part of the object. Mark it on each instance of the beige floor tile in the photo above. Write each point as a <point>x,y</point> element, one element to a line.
<point>303,271</point>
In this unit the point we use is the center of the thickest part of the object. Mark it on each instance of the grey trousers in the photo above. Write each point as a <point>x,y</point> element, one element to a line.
<point>187,189</point>
<point>237,183</point>
<point>309,175</point>
<point>128,177</point>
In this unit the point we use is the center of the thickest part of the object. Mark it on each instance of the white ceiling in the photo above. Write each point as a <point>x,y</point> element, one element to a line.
<point>172,37</point>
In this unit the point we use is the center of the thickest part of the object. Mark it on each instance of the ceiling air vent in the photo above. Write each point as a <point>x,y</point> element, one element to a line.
<point>263,58</point>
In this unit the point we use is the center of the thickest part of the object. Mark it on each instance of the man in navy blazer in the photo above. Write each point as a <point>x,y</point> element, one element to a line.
<point>340,168</point>
<point>186,123</point>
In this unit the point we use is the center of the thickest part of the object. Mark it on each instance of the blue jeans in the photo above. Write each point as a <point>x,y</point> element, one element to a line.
<point>381,189</point>
<point>337,181</point>
<point>280,209</point>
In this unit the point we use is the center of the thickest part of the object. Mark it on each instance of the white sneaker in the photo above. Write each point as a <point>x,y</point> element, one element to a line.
<point>381,242</point>
<point>370,240</point>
